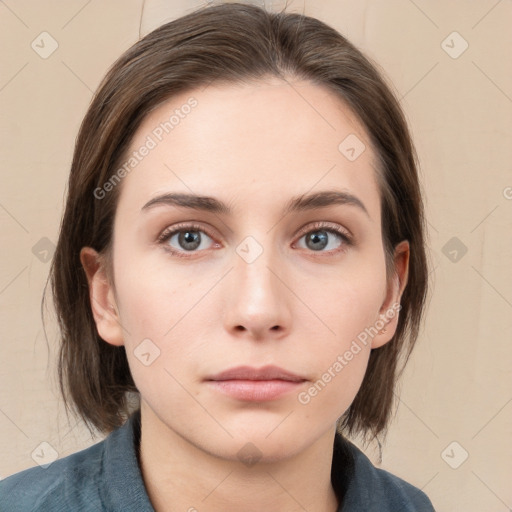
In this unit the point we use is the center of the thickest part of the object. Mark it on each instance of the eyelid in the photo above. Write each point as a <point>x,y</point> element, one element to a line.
<point>169,231</point>
<point>347,239</point>
<point>327,226</point>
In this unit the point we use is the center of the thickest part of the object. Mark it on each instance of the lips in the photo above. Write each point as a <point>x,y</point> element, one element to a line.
<point>249,373</point>
<point>248,384</point>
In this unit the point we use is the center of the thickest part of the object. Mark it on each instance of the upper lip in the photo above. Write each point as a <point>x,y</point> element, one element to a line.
<point>250,373</point>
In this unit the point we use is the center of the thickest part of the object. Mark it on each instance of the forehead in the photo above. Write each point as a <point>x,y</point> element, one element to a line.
<point>265,140</point>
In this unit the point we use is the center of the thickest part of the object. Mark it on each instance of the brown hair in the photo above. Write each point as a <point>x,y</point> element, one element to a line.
<point>229,43</point>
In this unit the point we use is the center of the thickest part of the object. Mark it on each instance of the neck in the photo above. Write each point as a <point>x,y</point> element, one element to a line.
<point>180,476</point>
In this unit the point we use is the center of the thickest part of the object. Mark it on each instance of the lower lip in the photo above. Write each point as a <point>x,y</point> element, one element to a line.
<point>255,390</point>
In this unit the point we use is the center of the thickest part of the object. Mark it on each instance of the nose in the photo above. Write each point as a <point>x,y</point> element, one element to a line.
<point>258,301</point>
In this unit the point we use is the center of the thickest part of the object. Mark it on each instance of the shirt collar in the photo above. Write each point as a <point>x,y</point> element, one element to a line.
<point>126,490</point>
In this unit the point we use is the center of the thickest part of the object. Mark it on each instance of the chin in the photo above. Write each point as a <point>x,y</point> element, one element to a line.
<point>250,451</point>
<point>259,443</point>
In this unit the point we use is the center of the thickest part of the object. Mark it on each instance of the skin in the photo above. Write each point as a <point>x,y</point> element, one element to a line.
<point>254,147</point>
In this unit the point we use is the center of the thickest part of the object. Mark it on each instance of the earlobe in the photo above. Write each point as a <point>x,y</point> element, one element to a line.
<point>102,298</point>
<point>389,312</point>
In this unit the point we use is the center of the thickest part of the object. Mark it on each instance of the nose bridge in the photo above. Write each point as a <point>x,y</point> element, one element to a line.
<point>258,301</point>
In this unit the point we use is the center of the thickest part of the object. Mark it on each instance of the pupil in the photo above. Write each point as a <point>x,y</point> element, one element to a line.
<point>190,240</point>
<point>318,240</point>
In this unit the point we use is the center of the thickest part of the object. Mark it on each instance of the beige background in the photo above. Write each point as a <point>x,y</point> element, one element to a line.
<point>457,387</point>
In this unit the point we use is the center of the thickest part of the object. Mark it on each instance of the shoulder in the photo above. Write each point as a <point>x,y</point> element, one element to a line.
<point>105,476</point>
<point>400,495</point>
<point>70,483</point>
<point>376,490</point>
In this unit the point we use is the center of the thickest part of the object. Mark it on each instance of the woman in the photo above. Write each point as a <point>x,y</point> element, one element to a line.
<point>240,267</point>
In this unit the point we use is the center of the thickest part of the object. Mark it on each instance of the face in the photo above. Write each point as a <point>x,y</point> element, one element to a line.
<point>273,279</point>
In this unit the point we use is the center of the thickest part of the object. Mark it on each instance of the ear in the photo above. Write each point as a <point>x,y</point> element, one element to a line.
<point>101,294</point>
<point>388,314</point>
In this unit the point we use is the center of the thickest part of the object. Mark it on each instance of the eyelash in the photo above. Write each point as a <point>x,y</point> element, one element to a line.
<point>347,240</point>
<point>169,232</point>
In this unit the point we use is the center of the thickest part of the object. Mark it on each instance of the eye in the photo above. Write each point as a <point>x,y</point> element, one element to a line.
<point>183,239</point>
<point>325,238</point>
<point>192,238</point>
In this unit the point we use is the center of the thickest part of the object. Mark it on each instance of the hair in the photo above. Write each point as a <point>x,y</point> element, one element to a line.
<point>232,44</point>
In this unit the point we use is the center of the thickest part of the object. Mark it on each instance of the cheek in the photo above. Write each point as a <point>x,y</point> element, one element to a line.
<point>348,307</point>
<point>349,302</point>
<point>163,313</point>
<point>151,299</point>
<point>161,333</point>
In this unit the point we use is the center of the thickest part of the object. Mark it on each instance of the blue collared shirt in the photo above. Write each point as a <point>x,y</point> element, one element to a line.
<point>107,477</point>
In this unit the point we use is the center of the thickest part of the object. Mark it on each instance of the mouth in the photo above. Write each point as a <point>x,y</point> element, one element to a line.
<point>255,384</point>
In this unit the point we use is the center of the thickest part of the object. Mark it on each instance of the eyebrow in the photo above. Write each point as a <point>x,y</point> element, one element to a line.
<point>304,202</point>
